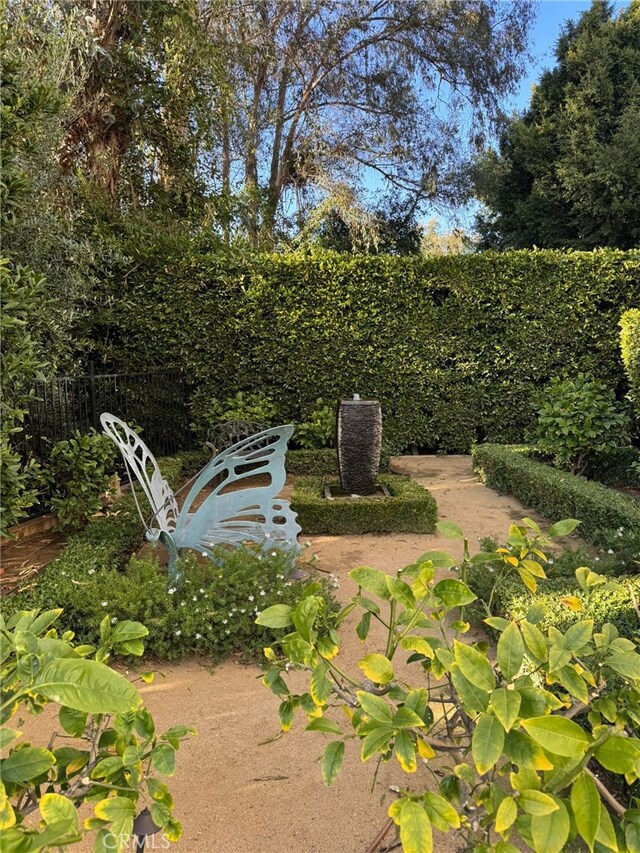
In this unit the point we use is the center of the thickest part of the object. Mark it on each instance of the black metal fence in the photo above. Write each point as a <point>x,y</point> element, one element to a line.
<point>156,402</point>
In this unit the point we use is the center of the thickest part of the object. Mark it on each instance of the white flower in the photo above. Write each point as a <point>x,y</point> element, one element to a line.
<point>91,572</point>
<point>194,598</point>
<point>227,631</point>
<point>274,553</point>
<point>250,598</point>
<point>113,620</point>
<point>104,603</point>
<point>201,590</point>
<point>171,590</point>
<point>610,551</point>
<point>262,592</point>
<point>242,610</point>
<point>597,559</point>
<point>279,592</point>
<point>204,553</point>
<point>198,636</point>
<point>225,621</point>
<point>550,562</point>
<point>259,556</point>
<point>178,632</point>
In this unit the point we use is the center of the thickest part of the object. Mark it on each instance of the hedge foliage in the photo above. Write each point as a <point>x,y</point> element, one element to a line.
<point>630,346</point>
<point>558,494</point>
<point>309,462</point>
<point>452,346</point>
<point>410,509</point>
<point>512,600</point>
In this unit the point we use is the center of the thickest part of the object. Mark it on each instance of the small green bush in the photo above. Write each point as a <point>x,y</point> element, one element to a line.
<point>630,347</point>
<point>603,512</point>
<point>243,406</point>
<point>320,431</point>
<point>79,470</point>
<point>410,509</point>
<point>576,418</point>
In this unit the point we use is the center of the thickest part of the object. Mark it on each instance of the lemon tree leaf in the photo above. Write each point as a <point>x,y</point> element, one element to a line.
<point>377,667</point>
<point>332,761</point>
<point>558,735</point>
<point>487,742</point>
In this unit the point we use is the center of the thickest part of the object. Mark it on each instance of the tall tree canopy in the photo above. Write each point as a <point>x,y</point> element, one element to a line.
<point>567,170</point>
<point>321,94</point>
<point>246,115</point>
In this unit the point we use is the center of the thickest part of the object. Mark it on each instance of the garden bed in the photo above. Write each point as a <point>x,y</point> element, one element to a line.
<point>409,509</point>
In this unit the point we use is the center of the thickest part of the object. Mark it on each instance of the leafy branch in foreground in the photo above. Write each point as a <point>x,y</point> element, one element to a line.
<point>518,764</point>
<point>114,757</point>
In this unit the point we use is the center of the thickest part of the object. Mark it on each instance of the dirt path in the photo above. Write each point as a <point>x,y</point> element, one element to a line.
<point>233,795</point>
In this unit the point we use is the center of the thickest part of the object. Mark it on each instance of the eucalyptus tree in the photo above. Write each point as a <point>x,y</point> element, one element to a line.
<point>318,96</point>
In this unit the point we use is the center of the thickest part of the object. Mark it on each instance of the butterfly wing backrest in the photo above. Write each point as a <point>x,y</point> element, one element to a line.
<point>142,465</point>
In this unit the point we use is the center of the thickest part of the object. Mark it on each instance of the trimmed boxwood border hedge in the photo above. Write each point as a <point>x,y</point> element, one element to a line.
<point>410,509</point>
<point>556,494</point>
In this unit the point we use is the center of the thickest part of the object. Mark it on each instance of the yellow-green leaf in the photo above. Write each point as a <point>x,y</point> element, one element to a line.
<point>586,805</point>
<point>332,761</point>
<point>506,704</point>
<point>405,752</point>
<point>506,814</point>
<point>487,742</point>
<point>415,828</point>
<point>510,651</point>
<point>377,668</point>
<point>558,735</point>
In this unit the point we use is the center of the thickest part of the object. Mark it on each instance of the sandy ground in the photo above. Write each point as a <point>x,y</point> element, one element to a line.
<point>234,795</point>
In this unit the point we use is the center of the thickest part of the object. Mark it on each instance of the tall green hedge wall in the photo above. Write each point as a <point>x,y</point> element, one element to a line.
<point>630,347</point>
<point>454,347</point>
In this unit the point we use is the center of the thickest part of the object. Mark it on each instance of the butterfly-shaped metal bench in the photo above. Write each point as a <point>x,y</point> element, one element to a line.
<point>227,513</point>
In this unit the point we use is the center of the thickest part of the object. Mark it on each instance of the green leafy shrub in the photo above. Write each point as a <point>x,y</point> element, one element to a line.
<point>630,347</point>
<point>410,509</point>
<point>620,467</point>
<point>212,613</point>
<point>320,431</point>
<point>242,406</point>
<point>21,298</point>
<point>499,727</point>
<point>552,493</point>
<point>440,341</point>
<point>576,418</point>
<point>80,470</point>
<point>117,754</point>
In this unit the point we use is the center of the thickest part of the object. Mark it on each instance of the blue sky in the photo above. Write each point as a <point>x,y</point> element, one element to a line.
<point>552,14</point>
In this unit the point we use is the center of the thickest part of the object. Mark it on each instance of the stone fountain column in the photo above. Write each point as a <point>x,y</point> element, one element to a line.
<point>359,439</point>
